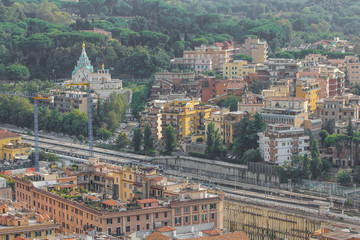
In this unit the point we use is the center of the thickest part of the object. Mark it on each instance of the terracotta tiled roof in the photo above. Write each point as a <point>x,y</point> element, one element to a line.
<point>212,232</point>
<point>226,236</point>
<point>92,198</point>
<point>111,202</point>
<point>7,134</point>
<point>3,206</point>
<point>165,229</point>
<point>157,236</point>
<point>149,200</point>
<point>157,179</point>
<point>67,186</point>
<point>45,216</point>
<point>236,85</point>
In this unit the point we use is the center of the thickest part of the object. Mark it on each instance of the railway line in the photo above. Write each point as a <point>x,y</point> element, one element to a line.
<point>292,200</point>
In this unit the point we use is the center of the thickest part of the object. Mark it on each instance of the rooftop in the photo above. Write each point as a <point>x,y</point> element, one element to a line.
<point>7,134</point>
<point>157,236</point>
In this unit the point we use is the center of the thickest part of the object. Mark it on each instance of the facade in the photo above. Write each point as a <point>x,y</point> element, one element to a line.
<point>336,79</point>
<point>294,117</point>
<point>353,70</point>
<point>309,90</point>
<point>256,49</point>
<point>339,108</point>
<point>218,53</point>
<point>212,87</point>
<point>66,101</point>
<point>281,68</point>
<point>281,143</point>
<point>152,115</point>
<point>175,77</point>
<point>19,222</point>
<point>5,191</point>
<point>203,65</point>
<point>11,146</point>
<point>237,69</point>
<point>100,81</point>
<point>296,103</point>
<point>195,206</point>
<point>251,103</point>
<point>183,114</point>
<point>217,117</point>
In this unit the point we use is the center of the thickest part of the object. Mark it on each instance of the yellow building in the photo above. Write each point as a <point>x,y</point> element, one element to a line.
<point>308,89</point>
<point>131,182</point>
<point>237,69</point>
<point>11,146</point>
<point>186,116</point>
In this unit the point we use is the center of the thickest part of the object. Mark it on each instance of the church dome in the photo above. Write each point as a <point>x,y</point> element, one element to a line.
<point>83,62</point>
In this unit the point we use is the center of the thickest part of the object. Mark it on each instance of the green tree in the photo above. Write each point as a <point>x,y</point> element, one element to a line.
<point>17,72</point>
<point>323,135</point>
<point>210,138</point>
<point>350,128</point>
<point>243,57</point>
<point>316,163</point>
<point>122,140</point>
<point>103,133</point>
<point>356,175</point>
<point>137,139</point>
<point>170,140</point>
<point>343,176</point>
<point>329,126</point>
<point>251,155</point>
<point>148,140</point>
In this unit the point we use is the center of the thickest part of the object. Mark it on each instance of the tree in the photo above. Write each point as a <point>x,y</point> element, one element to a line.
<point>323,135</point>
<point>343,176</point>
<point>210,138</point>
<point>243,57</point>
<point>329,126</point>
<point>251,155</point>
<point>170,140</point>
<point>148,139</point>
<point>356,175</point>
<point>316,164</point>
<point>137,139</point>
<point>122,140</point>
<point>214,142</point>
<point>103,133</point>
<point>17,72</point>
<point>350,128</point>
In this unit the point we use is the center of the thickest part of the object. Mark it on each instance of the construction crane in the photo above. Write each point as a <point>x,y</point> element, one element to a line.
<point>36,128</point>
<point>89,113</point>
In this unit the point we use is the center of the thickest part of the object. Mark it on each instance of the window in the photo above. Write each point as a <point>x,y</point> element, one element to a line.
<point>195,218</point>
<point>109,231</point>
<point>186,209</point>
<point>137,227</point>
<point>165,214</point>
<point>147,216</point>
<point>204,207</point>
<point>109,221</point>
<point>38,233</point>
<point>127,228</point>
<point>212,205</point>
<point>177,210</point>
<point>212,215</point>
<point>195,208</point>
<point>118,220</point>
<point>186,219</point>
<point>124,185</point>
<point>28,235</point>
<point>128,219</point>
<point>138,218</point>
<point>147,226</point>
<point>156,215</point>
<point>177,220</point>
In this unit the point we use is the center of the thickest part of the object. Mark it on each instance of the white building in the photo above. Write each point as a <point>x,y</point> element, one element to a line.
<point>100,81</point>
<point>282,143</point>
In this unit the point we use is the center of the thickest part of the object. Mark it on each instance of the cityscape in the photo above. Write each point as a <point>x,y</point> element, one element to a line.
<point>169,120</point>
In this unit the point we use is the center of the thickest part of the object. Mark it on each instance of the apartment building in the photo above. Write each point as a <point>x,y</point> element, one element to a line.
<point>212,87</point>
<point>251,103</point>
<point>217,117</point>
<point>336,79</point>
<point>219,54</point>
<point>18,222</point>
<point>193,206</point>
<point>256,49</point>
<point>294,117</point>
<point>339,108</point>
<point>175,77</point>
<point>281,68</point>
<point>11,146</point>
<point>352,70</point>
<point>237,69</point>
<point>308,89</point>
<point>152,115</point>
<point>203,65</point>
<point>182,114</point>
<point>281,143</point>
<point>286,103</point>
